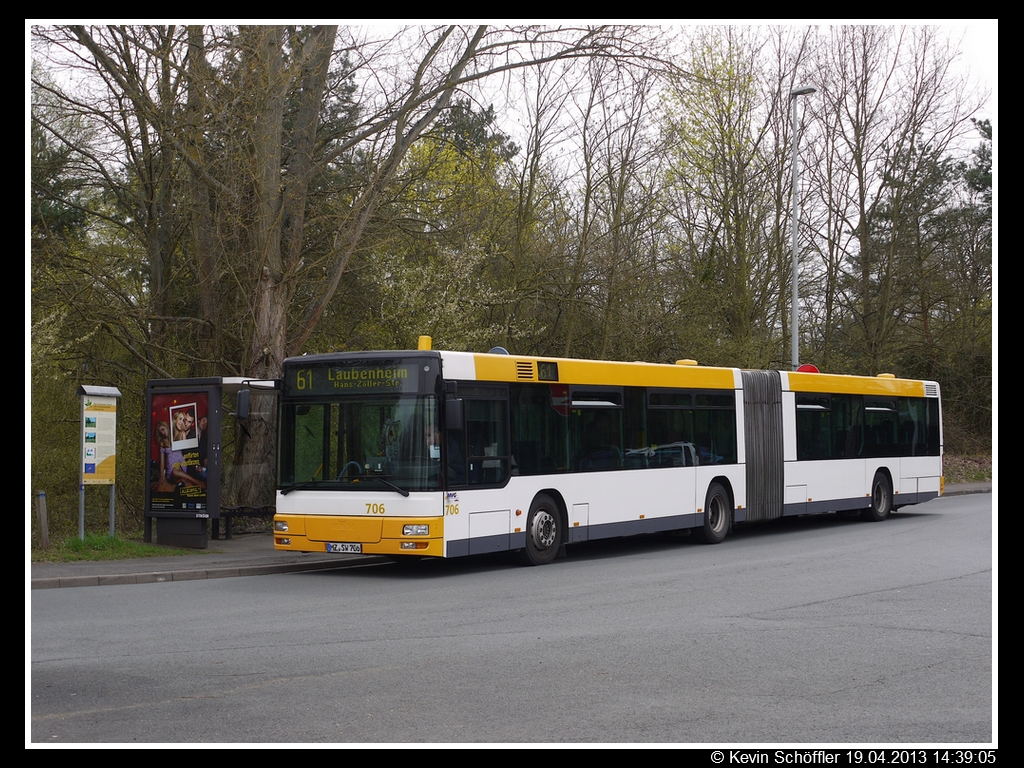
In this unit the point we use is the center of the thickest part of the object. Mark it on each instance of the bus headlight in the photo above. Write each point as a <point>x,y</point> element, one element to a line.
<point>415,530</point>
<point>281,526</point>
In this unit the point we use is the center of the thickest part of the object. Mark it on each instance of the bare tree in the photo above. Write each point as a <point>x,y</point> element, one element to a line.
<point>243,111</point>
<point>889,103</point>
<point>128,97</point>
<point>724,196</point>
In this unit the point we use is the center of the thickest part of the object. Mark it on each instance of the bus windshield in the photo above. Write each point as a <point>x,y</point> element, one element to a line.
<point>361,442</point>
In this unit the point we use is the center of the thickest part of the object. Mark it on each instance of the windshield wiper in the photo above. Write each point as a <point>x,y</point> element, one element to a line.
<point>389,484</point>
<point>300,487</point>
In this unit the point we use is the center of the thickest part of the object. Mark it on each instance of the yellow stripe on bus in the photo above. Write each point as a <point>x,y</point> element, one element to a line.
<point>854,385</point>
<point>604,373</point>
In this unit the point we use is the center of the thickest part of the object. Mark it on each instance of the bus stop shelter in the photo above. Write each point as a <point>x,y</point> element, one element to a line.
<point>184,462</point>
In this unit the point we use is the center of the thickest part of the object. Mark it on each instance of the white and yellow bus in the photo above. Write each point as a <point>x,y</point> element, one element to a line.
<point>444,454</point>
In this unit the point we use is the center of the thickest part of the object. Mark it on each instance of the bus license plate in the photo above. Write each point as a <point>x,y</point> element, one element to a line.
<point>348,549</point>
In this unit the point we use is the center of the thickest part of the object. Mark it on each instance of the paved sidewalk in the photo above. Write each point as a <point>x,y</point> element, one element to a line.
<point>247,554</point>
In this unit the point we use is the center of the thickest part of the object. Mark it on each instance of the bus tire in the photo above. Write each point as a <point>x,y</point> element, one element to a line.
<point>717,515</point>
<point>543,532</point>
<point>881,499</point>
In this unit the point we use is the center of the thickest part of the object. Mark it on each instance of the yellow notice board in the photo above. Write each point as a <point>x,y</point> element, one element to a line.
<point>99,444</point>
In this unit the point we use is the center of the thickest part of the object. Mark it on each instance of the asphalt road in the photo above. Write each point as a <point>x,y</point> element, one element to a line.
<point>807,631</point>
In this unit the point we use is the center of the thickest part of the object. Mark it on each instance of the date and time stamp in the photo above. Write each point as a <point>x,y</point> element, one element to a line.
<point>937,757</point>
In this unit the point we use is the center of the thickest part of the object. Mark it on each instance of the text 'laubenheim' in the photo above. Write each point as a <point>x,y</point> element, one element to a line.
<point>379,378</point>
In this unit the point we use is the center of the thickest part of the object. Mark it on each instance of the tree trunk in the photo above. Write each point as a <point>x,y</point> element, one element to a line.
<point>281,188</point>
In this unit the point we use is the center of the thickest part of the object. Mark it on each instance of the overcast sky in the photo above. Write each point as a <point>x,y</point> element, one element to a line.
<point>981,55</point>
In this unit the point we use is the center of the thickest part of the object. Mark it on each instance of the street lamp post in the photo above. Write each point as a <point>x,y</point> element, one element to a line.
<point>795,324</point>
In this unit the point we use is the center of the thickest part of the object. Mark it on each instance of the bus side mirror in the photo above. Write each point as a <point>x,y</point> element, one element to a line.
<point>242,405</point>
<point>454,413</point>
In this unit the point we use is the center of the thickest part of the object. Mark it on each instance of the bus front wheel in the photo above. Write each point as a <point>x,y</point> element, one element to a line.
<point>543,532</point>
<point>717,515</point>
<point>881,499</point>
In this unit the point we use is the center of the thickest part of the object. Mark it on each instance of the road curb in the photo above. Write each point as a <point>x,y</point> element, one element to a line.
<point>152,577</point>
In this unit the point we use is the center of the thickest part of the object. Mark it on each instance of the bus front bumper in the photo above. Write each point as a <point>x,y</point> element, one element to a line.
<point>423,536</point>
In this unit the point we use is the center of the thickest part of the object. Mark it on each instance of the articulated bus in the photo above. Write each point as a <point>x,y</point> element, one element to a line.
<point>434,453</point>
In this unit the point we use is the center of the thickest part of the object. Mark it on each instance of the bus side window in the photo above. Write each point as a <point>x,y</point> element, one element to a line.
<point>540,428</point>
<point>487,460</point>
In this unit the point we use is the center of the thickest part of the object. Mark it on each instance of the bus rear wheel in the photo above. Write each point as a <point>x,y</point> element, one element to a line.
<point>543,532</point>
<point>717,515</point>
<point>881,499</point>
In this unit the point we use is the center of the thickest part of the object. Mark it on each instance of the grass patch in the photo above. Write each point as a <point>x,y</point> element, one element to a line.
<point>101,547</point>
<point>967,469</point>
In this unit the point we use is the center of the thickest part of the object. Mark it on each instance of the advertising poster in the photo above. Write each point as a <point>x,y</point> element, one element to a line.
<point>178,455</point>
<point>99,428</point>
